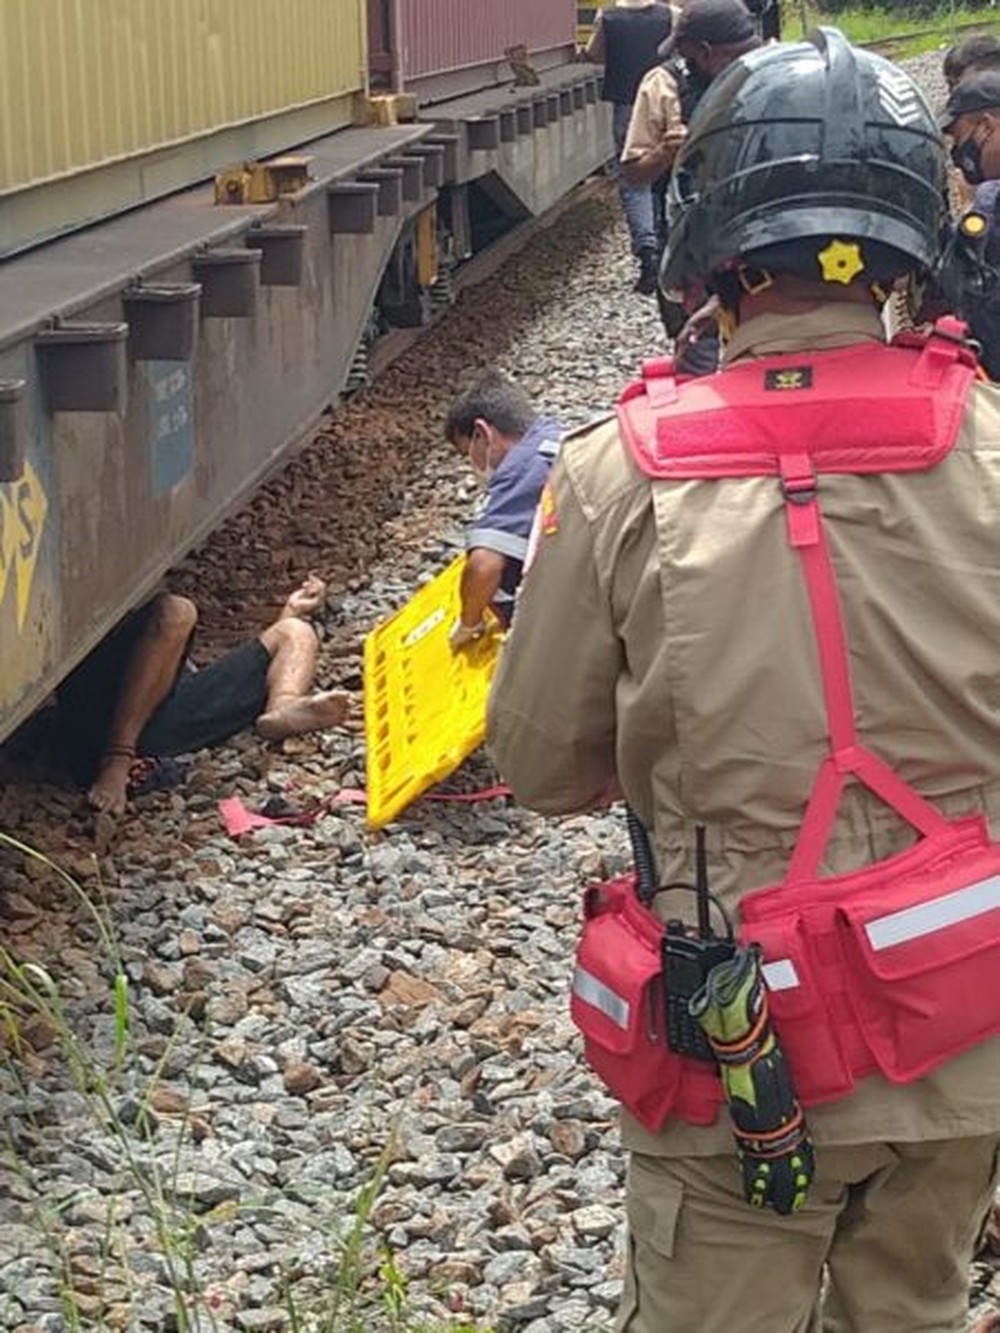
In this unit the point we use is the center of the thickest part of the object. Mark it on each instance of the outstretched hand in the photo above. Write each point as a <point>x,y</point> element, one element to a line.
<point>307,599</point>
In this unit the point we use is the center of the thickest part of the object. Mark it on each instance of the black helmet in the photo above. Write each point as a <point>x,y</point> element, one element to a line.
<point>816,142</point>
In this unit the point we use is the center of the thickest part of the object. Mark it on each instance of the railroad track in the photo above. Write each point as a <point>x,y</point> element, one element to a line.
<point>897,44</point>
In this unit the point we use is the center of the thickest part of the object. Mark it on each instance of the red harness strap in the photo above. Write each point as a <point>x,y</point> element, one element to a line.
<point>890,968</point>
<point>847,756</point>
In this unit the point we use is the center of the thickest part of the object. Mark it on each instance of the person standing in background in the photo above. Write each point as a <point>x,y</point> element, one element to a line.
<point>707,37</point>
<point>972,121</point>
<point>625,41</point>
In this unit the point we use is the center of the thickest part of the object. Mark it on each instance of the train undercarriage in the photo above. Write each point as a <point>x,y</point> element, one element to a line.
<point>156,366</point>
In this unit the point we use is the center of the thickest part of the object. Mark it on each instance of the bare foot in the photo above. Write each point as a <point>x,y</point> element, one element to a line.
<point>989,1324</point>
<point>307,599</point>
<point>328,708</point>
<point>109,792</point>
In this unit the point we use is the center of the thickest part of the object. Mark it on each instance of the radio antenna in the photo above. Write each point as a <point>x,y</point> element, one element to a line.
<point>701,881</point>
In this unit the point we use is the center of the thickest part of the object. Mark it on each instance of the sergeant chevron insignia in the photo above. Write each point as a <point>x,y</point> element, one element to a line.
<point>900,99</point>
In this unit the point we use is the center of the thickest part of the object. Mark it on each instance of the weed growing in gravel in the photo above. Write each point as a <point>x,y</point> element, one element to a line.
<point>96,1291</point>
<point>369,1292</point>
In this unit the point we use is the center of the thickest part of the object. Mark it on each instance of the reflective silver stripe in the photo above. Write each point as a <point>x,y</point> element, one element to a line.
<point>780,975</point>
<point>494,539</point>
<point>593,992</point>
<point>938,914</point>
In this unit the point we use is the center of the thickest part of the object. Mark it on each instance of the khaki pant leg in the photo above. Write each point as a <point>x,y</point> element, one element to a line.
<point>900,1258</point>
<point>701,1260</point>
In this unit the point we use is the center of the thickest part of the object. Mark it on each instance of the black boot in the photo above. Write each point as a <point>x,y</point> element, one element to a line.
<point>649,272</point>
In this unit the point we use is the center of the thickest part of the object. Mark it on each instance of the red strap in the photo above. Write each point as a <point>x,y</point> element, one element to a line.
<point>660,382</point>
<point>846,757</point>
<point>239,820</point>
<point>805,535</point>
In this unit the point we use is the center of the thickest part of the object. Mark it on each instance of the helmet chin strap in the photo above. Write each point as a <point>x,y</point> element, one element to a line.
<point>753,280</point>
<point>785,290</point>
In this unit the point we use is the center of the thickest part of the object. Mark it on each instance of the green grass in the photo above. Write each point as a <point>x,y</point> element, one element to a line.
<point>940,28</point>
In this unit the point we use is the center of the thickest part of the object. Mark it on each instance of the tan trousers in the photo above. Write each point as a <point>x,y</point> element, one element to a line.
<point>890,1229</point>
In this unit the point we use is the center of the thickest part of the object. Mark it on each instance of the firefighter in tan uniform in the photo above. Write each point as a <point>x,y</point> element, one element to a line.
<point>693,688</point>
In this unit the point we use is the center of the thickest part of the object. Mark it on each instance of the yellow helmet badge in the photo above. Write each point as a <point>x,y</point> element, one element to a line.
<point>841,261</point>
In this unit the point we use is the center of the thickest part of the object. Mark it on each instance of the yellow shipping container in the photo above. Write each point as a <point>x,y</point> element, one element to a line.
<point>89,85</point>
<point>585,14</point>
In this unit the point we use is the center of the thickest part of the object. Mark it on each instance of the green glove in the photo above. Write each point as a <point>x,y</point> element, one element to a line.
<point>768,1124</point>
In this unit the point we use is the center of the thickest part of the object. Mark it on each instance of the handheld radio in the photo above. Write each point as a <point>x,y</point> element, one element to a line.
<point>689,954</point>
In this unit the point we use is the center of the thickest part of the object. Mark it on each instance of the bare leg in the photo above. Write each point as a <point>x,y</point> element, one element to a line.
<point>291,709</point>
<point>149,676</point>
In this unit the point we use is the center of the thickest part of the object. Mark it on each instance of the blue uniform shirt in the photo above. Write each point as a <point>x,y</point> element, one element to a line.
<point>512,494</point>
<point>987,201</point>
<point>982,312</point>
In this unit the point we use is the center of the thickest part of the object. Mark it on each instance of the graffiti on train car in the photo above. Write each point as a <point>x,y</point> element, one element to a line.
<point>23,507</point>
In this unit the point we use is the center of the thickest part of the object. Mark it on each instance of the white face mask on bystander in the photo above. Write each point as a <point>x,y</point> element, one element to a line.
<point>480,447</point>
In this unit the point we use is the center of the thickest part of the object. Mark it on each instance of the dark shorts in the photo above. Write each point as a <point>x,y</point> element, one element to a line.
<point>206,707</point>
<point>203,708</point>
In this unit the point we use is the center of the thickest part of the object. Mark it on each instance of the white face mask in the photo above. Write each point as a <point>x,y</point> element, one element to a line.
<point>482,471</point>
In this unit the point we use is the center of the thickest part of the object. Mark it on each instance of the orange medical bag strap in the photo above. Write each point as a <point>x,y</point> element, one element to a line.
<point>847,756</point>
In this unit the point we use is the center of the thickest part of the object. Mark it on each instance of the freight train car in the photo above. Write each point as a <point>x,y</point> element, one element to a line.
<point>437,49</point>
<point>204,207</point>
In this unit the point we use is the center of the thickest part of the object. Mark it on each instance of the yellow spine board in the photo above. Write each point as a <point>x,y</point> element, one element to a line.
<point>425,705</point>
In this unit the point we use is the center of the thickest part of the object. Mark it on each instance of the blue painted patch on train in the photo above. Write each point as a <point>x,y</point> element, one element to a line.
<point>171,423</point>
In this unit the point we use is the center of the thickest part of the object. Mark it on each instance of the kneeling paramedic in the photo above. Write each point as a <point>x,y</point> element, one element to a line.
<point>781,586</point>
<point>494,425</point>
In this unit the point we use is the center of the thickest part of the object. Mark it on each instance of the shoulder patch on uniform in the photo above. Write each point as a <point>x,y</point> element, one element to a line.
<point>791,377</point>
<point>548,515</point>
<point>545,523</point>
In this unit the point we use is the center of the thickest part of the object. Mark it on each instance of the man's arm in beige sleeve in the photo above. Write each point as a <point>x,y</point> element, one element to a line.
<point>551,723</point>
<point>655,130</point>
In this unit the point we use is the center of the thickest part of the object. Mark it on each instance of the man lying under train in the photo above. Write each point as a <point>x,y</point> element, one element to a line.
<point>137,694</point>
<point>510,448</point>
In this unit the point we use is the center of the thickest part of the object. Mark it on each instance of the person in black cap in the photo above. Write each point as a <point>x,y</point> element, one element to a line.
<point>709,35</point>
<point>972,119</point>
